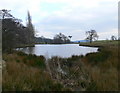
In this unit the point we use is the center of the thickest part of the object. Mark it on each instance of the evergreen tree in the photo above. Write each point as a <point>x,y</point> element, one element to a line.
<point>30,29</point>
<point>14,33</point>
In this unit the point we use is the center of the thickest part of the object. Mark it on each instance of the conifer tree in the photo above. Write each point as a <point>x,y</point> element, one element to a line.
<point>30,29</point>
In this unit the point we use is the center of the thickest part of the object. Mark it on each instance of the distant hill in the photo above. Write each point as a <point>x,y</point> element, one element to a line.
<point>80,41</point>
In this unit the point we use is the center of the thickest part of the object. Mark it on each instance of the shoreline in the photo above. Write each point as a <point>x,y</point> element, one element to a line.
<point>88,45</point>
<point>24,46</point>
<point>97,50</point>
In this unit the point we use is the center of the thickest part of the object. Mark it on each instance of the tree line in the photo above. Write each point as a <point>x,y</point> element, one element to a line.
<point>14,33</point>
<point>59,38</point>
<point>93,36</point>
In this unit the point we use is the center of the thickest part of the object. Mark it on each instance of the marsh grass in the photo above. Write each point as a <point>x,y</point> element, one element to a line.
<point>76,76</point>
<point>99,71</point>
<point>20,76</point>
<point>101,56</point>
<point>103,67</point>
<point>32,60</point>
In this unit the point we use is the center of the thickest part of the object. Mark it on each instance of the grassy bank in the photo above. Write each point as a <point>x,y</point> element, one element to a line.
<point>31,73</point>
<point>102,43</point>
<point>92,72</point>
<point>27,73</point>
<point>25,45</point>
<point>103,65</point>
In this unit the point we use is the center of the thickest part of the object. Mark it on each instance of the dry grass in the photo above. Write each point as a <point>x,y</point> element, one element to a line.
<point>18,76</point>
<point>104,73</point>
<point>28,73</point>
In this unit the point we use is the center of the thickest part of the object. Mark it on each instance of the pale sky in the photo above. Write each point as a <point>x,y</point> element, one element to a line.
<point>70,17</point>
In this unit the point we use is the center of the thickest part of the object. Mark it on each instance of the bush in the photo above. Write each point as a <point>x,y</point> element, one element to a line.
<point>92,87</point>
<point>36,61</point>
<point>40,63</point>
<point>98,57</point>
<point>21,53</point>
<point>17,60</point>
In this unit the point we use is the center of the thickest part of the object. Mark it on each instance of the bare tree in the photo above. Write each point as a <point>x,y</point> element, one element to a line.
<point>5,13</point>
<point>91,35</point>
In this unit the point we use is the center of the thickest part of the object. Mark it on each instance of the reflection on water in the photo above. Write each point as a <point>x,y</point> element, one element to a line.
<point>64,50</point>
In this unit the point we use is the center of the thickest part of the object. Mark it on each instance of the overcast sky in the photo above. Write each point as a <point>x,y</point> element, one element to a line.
<point>70,17</point>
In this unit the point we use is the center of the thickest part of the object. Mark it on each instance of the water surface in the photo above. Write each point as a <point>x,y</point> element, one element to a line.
<point>61,50</point>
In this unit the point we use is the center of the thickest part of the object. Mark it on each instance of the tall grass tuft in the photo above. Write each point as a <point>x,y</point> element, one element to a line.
<point>19,76</point>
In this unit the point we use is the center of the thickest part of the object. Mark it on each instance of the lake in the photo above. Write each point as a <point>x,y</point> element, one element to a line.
<point>61,50</point>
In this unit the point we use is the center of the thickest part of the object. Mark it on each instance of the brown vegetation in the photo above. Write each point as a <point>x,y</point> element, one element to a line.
<point>103,66</point>
<point>21,76</point>
<point>92,72</point>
